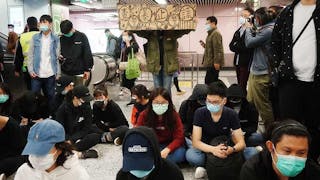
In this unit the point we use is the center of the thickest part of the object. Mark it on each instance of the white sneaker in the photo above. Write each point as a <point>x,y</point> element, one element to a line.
<point>117,141</point>
<point>2,176</point>
<point>200,172</point>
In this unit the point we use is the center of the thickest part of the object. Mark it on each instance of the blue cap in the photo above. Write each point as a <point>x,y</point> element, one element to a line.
<point>43,136</point>
<point>137,153</point>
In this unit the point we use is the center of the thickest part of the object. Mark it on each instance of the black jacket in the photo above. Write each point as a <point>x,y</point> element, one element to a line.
<point>75,120</point>
<point>282,42</point>
<point>238,46</point>
<point>163,170</point>
<point>259,167</point>
<point>248,116</point>
<point>111,117</point>
<point>77,53</point>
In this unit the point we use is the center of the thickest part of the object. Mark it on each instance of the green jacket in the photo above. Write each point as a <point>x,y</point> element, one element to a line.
<point>213,53</point>
<point>170,60</point>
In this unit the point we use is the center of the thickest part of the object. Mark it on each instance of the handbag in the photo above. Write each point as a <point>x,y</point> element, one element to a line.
<point>133,67</point>
<point>142,59</point>
<point>123,65</point>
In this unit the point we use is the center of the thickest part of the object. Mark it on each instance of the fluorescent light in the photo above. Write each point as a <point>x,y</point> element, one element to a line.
<point>161,1</point>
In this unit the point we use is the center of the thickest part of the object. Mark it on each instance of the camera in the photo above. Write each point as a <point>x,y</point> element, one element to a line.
<point>250,19</point>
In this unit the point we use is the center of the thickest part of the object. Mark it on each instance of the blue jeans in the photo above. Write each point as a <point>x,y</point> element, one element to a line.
<point>162,80</point>
<point>47,85</point>
<point>177,156</point>
<point>248,152</point>
<point>194,156</point>
<point>255,139</point>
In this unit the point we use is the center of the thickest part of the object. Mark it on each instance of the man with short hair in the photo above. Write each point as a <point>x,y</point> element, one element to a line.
<point>112,49</point>
<point>43,64</point>
<point>286,156</point>
<point>21,57</point>
<point>243,55</point>
<point>213,58</point>
<point>76,57</point>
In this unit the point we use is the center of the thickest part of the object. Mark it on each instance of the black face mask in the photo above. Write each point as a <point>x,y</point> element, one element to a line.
<point>99,104</point>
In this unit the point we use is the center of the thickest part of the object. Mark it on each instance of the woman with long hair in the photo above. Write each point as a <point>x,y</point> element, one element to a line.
<point>162,117</point>
<point>141,95</point>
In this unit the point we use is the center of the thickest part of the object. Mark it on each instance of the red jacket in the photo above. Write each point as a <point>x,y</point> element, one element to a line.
<point>175,138</point>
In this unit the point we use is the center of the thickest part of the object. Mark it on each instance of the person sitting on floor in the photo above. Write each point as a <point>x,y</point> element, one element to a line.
<point>141,95</point>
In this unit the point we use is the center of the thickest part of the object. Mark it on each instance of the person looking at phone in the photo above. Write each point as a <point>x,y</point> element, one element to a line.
<point>243,55</point>
<point>212,121</point>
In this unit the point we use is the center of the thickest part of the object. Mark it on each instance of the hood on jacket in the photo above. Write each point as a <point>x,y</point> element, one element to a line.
<point>147,144</point>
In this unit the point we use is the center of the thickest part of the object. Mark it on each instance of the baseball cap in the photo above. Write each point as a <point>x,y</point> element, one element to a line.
<point>199,93</point>
<point>235,91</point>
<point>82,92</point>
<point>137,153</point>
<point>43,136</point>
<point>63,82</point>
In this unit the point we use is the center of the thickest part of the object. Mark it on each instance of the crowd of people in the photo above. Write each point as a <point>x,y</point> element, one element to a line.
<point>57,121</point>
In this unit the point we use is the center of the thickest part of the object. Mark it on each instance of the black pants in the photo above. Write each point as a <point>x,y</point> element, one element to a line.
<point>212,75</point>
<point>11,164</point>
<point>128,83</point>
<point>27,79</point>
<point>176,84</point>
<point>299,100</point>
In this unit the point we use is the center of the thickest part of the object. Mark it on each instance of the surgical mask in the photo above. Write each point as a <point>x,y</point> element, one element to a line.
<point>213,108</point>
<point>160,109</point>
<point>68,34</point>
<point>10,30</point>
<point>4,98</point>
<point>289,166</point>
<point>129,38</point>
<point>140,173</point>
<point>42,163</point>
<point>208,27</point>
<point>64,92</point>
<point>100,103</point>
<point>44,28</point>
<point>242,20</point>
<point>107,35</point>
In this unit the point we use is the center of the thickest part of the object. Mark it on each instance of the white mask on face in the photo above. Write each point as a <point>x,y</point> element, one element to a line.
<point>42,163</point>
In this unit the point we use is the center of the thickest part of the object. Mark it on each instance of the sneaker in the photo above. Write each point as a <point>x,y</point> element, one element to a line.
<point>179,93</point>
<point>91,153</point>
<point>117,141</point>
<point>3,177</point>
<point>200,172</point>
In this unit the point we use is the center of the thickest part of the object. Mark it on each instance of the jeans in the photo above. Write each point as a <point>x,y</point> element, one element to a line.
<point>47,85</point>
<point>177,156</point>
<point>242,76</point>
<point>248,152</point>
<point>255,139</point>
<point>194,156</point>
<point>162,80</point>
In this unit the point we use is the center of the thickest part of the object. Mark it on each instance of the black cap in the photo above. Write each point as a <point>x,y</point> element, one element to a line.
<point>63,82</point>
<point>82,92</point>
<point>199,93</point>
<point>235,91</point>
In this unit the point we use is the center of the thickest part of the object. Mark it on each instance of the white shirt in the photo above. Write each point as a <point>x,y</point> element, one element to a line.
<point>304,55</point>
<point>45,69</point>
<point>72,170</point>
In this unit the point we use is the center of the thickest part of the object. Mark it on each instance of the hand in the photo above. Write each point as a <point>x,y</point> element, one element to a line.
<point>165,152</point>
<point>86,75</point>
<point>61,58</point>
<point>58,77</point>
<point>16,74</point>
<point>219,151</point>
<point>33,75</point>
<point>229,150</point>
<point>216,67</point>
<point>24,121</point>
<point>112,129</point>
<point>36,121</point>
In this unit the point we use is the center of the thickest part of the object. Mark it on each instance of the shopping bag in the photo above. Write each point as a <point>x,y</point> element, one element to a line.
<point>133,66</point>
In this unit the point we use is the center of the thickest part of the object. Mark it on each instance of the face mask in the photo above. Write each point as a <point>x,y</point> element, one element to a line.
<point>213,108</point>
<point>80,103</point>
<point>44,28</point>
<point>124,38</point>
<point>69,34</point>
<point>10,30</point>
<point>160,109</point>
<point>129,38</point>
<point>42,163</point>
<point>242,20</point>
<point>208,27</point>
<point>289,166</point>
<point>64,92</point>
<point>141,174</point>
<point>4,98</point>
<point>99,103</point>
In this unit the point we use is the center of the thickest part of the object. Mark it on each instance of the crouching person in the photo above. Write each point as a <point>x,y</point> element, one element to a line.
<point>210,122</point>
<point>50,156</point>
<point>285,156</point>
<point>142,159</point>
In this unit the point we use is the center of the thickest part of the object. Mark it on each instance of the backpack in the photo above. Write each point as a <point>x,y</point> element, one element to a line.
<point>117,49</point>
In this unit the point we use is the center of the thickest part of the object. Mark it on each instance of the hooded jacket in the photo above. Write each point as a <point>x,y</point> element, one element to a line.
<point>71,170</point>
<point>163,169</point>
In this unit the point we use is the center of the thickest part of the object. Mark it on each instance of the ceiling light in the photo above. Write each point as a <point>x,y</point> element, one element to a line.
<point>161,1</point>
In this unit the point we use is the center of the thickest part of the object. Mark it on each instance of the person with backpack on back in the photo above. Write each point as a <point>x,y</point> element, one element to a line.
<point>113,45</point>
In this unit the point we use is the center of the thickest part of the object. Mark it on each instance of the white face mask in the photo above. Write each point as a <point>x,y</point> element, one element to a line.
<point>242,20</point>
<point>42,163</point>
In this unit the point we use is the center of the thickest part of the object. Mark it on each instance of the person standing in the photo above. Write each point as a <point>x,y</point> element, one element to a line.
<point>12,39</point>
<point>112,46</point>
<point>243,55</point>
<point>21,57</point>
<point>43,64</point>
<point>298,60</point>
<point>76,57</point>
<point>213,58</point>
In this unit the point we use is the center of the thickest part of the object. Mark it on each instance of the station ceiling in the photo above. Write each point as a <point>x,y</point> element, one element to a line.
<point>198,2</point>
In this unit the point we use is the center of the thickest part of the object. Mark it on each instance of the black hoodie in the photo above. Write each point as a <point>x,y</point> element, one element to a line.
<point>164,170</point>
